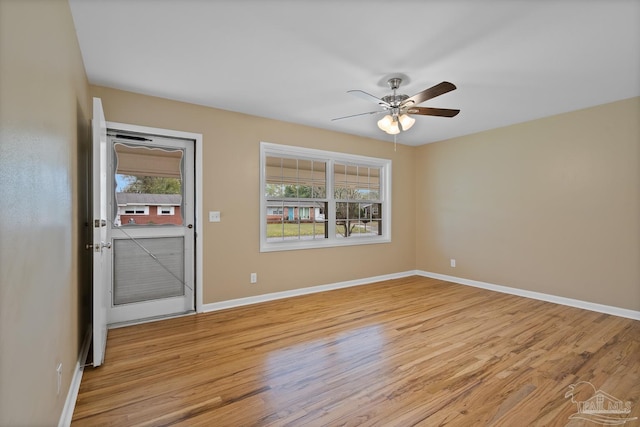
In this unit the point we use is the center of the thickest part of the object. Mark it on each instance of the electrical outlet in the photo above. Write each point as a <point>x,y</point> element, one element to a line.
<point>453,263</point>
<point>214,216</point>
<point>254,277</point>
<point>59,377</point>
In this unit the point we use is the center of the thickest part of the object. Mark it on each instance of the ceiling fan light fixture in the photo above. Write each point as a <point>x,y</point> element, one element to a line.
<point>398,106</point>
<point>406,121</point>
<point>393,129</point>
<point>385,123</point>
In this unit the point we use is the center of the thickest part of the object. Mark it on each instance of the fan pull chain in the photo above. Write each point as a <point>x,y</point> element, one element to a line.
<point>395,143</point>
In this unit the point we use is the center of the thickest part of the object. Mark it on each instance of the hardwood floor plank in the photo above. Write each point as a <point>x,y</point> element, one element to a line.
<point>412,351</point>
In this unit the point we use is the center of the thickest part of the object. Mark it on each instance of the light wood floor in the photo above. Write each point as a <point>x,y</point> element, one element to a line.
<point>404,352</point>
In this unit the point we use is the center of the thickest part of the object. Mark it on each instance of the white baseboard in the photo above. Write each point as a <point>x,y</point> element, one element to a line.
<point>74,387</point>
<point>222,305</point>
<point>600,308</point>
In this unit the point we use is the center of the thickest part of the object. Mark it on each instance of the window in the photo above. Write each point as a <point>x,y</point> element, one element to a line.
<point>304,213</point>
<point>357,194</point>
<point>135,210</point>
<point>313,198</point>
<point>166,210</point>
<point>293,188</point>
<point>148,175</point>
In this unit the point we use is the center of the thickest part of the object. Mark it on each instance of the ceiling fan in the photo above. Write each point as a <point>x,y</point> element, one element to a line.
<point>399,107</point>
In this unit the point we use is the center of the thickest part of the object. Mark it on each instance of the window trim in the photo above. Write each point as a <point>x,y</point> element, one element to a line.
<point>145,210</point>
<point>330,157</point>
<point>171,209</point>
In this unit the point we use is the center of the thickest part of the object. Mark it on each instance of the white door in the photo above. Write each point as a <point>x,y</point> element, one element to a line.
<point>101,244</point>
<point>151,218</point>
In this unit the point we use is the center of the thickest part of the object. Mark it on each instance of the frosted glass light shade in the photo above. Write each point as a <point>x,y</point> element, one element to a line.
<point>406,121</point>
<point>394,129</point>
<point>385,122</point>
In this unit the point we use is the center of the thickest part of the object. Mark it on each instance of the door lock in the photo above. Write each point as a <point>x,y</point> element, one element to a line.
<point>99,247</point>
<point>100,223</point>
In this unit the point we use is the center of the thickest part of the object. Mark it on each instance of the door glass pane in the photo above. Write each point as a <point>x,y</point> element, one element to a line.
<point>147,269</point>
<point>148,185</point>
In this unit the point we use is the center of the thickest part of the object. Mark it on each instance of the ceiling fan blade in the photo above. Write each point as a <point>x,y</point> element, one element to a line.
<point>427,111</point>
<point>432,92</point>
<point>356,115</point>
<point>368,97</point>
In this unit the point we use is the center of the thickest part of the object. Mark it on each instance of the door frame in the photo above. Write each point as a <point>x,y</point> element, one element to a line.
<point>198,211</point>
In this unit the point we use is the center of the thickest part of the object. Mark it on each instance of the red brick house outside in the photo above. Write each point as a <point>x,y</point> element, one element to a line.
<point>147,209</point>
<point>295,212</point>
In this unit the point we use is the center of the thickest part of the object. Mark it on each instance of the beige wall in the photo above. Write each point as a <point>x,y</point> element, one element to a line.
<point>231,185</point>
<point>551,205</point>
<point>43,126</point>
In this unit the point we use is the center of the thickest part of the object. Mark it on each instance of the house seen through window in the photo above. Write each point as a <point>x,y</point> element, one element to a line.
<point>314,198</point>
<point>148,185</point>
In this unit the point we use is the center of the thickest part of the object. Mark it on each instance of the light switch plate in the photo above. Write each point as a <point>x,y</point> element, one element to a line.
<point>214,216</point>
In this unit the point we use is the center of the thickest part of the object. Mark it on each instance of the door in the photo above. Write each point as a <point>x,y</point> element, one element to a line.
<point>101,244</point>
<point>151,217</point>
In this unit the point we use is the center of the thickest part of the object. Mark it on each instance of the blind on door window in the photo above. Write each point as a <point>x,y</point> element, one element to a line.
<point>147,269</point>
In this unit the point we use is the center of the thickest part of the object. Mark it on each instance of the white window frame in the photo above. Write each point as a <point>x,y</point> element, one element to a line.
<point>144,208</point>
<point>276,150</point>
<point>171,210</point>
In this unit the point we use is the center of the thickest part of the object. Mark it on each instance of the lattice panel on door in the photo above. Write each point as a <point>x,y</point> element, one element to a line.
<point>147,269</point>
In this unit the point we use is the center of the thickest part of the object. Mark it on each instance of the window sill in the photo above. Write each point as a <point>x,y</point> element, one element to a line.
<point>300,245</point>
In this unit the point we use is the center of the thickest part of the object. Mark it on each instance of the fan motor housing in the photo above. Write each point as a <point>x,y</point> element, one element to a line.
<point>394,100</point>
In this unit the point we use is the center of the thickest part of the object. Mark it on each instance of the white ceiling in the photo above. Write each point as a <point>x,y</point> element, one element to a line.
<point>294,60</point>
